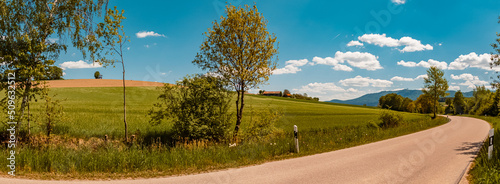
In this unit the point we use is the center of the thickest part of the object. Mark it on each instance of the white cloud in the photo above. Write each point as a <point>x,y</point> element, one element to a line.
<point>454,88</point>
<point>399,1</point>
<point>292,66</point>
<point>78,64</point>
<point>331,61</point>
<point>474,61</point>
<point>64,73</point>
<point>410,44</point>
<point>359,81</point>
<point>354,43</point>
<point>147,46</point>
<point>471,81</point>
<point>361,60</point>
<point>398,78</point>
<point>421,76</point>
<point>426,64</point>
<point>144,34</point>
<point>328,91</point>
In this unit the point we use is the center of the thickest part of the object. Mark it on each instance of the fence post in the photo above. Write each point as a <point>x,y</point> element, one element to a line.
<point>490,148</point>
<point>295,134</point>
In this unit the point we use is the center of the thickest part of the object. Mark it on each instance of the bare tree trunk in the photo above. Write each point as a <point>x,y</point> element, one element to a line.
<point>124,101</point>
<point>24,103</point>
<point>239,111</point>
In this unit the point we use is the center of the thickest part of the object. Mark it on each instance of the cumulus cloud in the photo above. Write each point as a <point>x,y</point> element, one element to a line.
<point>426,64</point>
<point>409,44</point>
<point>292,66</point>
<point>359,81</point>
<point>79,64</point>
<point>361,60</point>
<point>473,60</point>
<point>354,43</point>
<point>331,61</point>
<point>471,81</point>
<point>328,91</point>
<point>398,78</point>
<point>454,88</point>
<point>144,34</point>
<point>399,1</point>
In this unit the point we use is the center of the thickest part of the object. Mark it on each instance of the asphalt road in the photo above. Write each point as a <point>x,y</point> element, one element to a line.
<point>439,155</point>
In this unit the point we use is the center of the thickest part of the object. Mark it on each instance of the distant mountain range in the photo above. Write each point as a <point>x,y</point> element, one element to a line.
<point>372,98</point>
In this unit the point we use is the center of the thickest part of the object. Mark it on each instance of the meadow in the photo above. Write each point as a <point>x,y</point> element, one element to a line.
<point>77,148</point>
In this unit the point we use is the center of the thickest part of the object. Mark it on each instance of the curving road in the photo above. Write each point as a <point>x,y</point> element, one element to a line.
<point>438,155</point>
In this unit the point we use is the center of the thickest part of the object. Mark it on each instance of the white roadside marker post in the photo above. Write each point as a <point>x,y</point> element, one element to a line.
<point>490,148</point>
<point>295,134</point>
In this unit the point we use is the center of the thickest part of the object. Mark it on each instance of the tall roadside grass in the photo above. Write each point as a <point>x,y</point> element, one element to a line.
<point>484,170</point>
<point>149,156</point>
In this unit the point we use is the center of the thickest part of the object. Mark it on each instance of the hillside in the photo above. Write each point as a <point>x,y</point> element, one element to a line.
<point>99,83</point>
<point>372,98</point>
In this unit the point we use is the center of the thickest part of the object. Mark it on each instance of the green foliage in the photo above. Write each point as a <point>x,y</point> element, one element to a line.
<point>286,93</point>
<point>53,73</point>
<point>435,86</point>
<point>53,113</point>
<point>495,58</point>
<point>197,106</point>
<point>96,74</point>
<point>392,101</point>
<point>28,30</point>
<point>304,97</point>
<point>390,119</point>
<point>262,125</point>
<point>459,103</point>
<point>240,49</point>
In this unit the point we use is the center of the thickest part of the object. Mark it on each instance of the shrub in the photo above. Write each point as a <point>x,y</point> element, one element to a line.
<point>197,106</point>
<point>262,125</point>
<point>390,119</point>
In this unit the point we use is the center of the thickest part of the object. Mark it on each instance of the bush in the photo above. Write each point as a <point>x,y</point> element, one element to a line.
<point>390,119</point>
<point>262,125</point>
<point>197,106</point>
<point>96,74</point>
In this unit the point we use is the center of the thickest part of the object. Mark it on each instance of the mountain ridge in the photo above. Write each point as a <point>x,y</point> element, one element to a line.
<point>371,99</point>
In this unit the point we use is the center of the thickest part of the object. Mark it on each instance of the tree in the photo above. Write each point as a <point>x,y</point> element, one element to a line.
<point>458,102</point>
<point>286,93</point>
<point>449,105</point>
<point>111,34</point>
<point>241,50</point>
<point>53,73</point>
<point>495,58</point>
<point>96,74</point>
<point>424,103</point>
<point>435,86</point>
<point>198,107</point>
<point>27,31</point>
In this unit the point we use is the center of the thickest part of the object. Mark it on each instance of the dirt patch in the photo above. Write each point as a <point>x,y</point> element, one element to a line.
<point>74,83</point>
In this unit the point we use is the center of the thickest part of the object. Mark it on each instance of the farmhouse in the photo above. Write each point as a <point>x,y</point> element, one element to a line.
<point>272,93</point>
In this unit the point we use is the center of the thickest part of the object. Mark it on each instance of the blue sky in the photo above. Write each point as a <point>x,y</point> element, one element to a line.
<point>327,49</point>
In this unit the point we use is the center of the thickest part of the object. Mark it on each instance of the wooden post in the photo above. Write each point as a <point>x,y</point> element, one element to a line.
<point>295,134</point>
<point>490,148</point>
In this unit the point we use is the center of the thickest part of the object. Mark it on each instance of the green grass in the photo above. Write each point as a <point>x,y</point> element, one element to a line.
<point>484,170</point>
<point>79,151</point>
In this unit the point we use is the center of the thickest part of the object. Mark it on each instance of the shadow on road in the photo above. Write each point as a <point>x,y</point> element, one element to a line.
<point>469,148</point>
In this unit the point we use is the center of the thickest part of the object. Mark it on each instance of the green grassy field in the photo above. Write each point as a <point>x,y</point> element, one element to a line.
<point>92,113</point>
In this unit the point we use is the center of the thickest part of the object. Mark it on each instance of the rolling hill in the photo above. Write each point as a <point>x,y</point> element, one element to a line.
<point>372,98</point>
